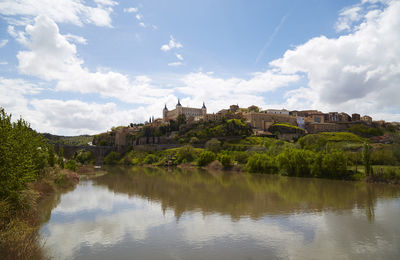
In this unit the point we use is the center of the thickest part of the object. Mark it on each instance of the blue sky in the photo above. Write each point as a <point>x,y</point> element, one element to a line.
<point>73,67</point>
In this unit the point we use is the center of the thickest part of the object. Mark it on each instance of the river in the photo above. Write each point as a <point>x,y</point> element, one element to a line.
<point>151,213</point>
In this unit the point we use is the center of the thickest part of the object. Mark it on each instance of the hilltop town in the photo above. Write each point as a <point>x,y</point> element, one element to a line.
<point>279,123</point>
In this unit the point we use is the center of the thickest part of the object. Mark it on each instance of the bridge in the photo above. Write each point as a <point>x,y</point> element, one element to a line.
<point>99,152</point>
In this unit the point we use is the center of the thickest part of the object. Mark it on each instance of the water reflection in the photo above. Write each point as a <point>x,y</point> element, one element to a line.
<point>153,214</point>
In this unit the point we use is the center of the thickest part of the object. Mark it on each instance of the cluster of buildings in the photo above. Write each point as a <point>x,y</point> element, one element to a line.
<point>313,121</point>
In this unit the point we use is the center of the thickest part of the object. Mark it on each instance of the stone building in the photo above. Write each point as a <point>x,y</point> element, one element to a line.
<point>355,117</point>
<point>324,127</point>
<point>367,119</point>
<point>343,117</point>
<point>278,111</point>
<point>263,121</point>
<point>189,112</point>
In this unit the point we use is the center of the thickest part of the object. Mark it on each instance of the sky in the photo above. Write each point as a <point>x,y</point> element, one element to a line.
<point>74,67</point>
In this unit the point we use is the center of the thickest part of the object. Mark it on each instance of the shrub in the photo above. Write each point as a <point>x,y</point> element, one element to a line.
<point>225,160</point>
<point>383,157</point>
<point>205,158</point>
<point>240,157</point>
<point>261,163</point>
<point>61,157</point>
<point>334,165</point>
<point>185,154</point>
<point>213,145</point>
<point>85,157</point>
<point>112,158</point>
<point>71,165</point>
<point>194,140</point>
<point>295,162</point>
<point>52,156</point>
<point>150,158</point>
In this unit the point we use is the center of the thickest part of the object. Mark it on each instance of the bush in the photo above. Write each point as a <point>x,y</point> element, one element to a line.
<point>185,154</point>
<point>261,163</point>
<point>194,140</point>
<point>205,158</point>
<point>240,157</point>
<point>213,145</point>
<point>52,156</point>
<point>150,158</point>
<point>71,165</point>
<point>85,157</point>
<point>334,165</point>
<point>112,158</point>
<point>295,162</point>
<point>383,157</point>
<point>225,160</point>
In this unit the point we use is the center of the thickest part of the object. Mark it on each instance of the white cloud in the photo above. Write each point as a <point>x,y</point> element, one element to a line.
<point>76,38</point>
<point>130,10</point>
<point>178,56</point>
<point>357,72</point>
<point>142,24</point>
<point>17,35</point>
<point>172,44</point>
<point>65,11</point>
<point>3,43</point>
<point>139,17</point>
<point>347,17</point>
<point>3,63</point>
<point>106,2</point>
<point>52,57</point>
<point>175,64</point>
<point>220,93</point>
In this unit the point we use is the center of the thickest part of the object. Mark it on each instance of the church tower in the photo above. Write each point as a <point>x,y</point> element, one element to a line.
<point>165,113</point>
<point>204,111</point>
<point>179,107</point>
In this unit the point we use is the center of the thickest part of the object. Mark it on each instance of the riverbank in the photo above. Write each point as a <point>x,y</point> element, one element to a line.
<point>19,223</point>
<point>331,155</point>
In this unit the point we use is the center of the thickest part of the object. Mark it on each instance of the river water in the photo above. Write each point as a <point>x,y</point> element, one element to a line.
<point>146,213</point>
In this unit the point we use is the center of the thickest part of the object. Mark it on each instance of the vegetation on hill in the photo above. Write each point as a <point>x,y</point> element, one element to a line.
<point>68,140</point>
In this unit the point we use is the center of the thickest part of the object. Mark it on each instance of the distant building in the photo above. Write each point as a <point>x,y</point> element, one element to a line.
<point>277,111</point>
<point>187,111</point>
<point>263,121</point>
<point>333,117</point>
<point>366,119</point>
<point>343,117</point>
<point>355,117</point>
<point>323,127</point>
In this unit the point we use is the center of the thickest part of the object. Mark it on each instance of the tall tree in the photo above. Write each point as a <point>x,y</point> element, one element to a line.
<point>61,157</point>
<point>366,154</point>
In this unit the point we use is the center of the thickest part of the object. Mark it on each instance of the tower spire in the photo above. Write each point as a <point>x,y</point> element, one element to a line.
<point>204,105</point>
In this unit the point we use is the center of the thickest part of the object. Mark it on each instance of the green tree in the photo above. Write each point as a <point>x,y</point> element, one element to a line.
<point>205,158</point>
<point>22,156</point>
<point>52,156</point>
<point>61,157</point>
<point>296,162</point>
<point>112,158</point>
<point>71,165</point>
<point>225,160</point>
<point>213,145</point>
<point>366,155</point>
<point>186,154</point>
<point>261,163</point>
